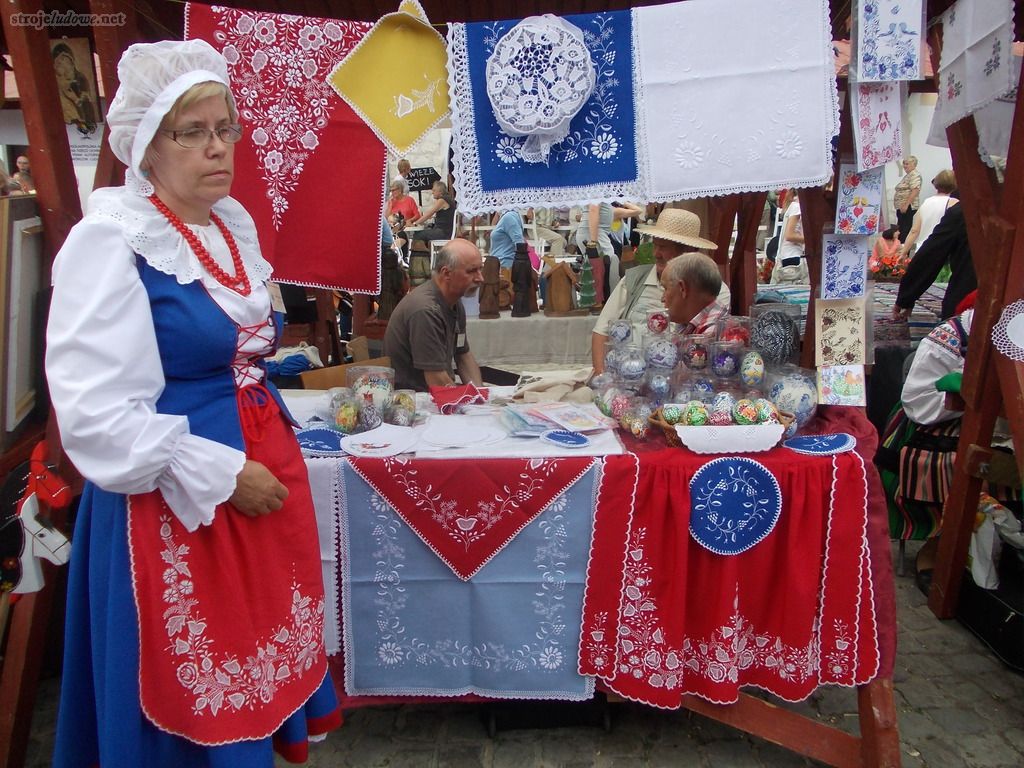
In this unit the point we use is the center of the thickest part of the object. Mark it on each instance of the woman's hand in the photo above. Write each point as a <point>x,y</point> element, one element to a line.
<point>257,491</point>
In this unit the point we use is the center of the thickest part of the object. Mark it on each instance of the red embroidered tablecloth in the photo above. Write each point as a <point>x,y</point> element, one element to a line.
<point>308,169</point>
<point>665,617</point>
<point>467,511</point>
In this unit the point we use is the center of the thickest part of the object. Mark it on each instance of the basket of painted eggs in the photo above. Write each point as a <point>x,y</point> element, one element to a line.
<point>725,425</point>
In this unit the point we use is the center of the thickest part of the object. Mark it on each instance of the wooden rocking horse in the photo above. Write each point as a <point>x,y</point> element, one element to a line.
<point>24,538</point>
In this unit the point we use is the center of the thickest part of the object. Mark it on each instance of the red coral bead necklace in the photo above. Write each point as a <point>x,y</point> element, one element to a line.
<point>238,282</point>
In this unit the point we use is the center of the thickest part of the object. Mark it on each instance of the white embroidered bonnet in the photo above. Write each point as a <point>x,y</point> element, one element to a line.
<point>153,76</point>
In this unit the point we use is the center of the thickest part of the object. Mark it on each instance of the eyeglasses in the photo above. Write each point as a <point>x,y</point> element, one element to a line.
<point>198,138</point>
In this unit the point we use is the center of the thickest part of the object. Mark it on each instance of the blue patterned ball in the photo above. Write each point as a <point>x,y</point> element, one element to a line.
<point>661,353</point>
<point>620,331</point>
<point>797,394</point>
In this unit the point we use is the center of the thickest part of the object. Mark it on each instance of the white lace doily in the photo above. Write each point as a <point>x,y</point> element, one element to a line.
<point>538,77</point>
<point>1008,334</point>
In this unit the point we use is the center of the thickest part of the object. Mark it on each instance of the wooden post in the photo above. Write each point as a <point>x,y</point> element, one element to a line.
<point>743,264</point>
<point>111,42</point>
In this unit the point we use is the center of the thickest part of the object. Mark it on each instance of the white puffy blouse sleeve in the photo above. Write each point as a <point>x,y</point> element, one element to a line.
<point>105,375</point>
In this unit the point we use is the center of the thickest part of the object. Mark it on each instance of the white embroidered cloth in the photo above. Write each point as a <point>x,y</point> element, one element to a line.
<point>974,68</point>
<point>889,40</point>
<point>538,77</point>
<point>877,123</point>
<point>755,109</point>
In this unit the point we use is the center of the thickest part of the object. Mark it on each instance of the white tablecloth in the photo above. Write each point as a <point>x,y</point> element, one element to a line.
<point>533,340</point>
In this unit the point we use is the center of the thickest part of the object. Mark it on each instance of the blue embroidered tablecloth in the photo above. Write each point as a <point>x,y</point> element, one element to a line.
<point>597,160</point>
<point>411,627</point>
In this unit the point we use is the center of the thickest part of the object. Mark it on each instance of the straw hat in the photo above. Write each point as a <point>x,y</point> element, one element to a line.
<point>680,226</point>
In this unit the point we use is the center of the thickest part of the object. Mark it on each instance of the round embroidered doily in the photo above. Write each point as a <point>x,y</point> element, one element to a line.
<point>538,77</point>
<point>1008,334</point>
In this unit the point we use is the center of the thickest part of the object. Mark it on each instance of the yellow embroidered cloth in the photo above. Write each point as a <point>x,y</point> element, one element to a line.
<point>397,78</point>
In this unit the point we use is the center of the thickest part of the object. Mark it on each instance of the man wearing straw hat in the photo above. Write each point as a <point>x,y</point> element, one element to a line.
<point>640,291</point>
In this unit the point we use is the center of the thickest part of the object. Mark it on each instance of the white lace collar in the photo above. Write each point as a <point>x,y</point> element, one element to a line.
<point>151,236</point>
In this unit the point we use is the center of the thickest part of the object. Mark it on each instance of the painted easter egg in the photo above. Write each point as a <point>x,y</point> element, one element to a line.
<point>695,414</point>
<point>752,369</point>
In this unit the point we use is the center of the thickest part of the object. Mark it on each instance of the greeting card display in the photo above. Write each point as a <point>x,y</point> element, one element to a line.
<point>842,385</point>
<point>843,266</point>
<point>841,325</point>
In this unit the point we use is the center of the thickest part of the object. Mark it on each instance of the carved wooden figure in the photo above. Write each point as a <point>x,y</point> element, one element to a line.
<point>489,290</point>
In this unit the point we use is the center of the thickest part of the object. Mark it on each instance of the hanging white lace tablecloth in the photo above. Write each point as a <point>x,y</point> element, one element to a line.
<point>735,96</point>
<point>538,77</point>
<point>975,65</point>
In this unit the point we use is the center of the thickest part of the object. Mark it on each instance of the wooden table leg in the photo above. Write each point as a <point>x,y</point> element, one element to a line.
<point>879,737</point>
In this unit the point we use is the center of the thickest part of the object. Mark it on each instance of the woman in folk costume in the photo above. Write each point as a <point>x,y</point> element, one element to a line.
<point>195,601</point>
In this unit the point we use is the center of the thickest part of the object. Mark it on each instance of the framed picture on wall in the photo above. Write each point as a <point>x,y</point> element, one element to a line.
<point>23,287</point>
<point>76,83</point>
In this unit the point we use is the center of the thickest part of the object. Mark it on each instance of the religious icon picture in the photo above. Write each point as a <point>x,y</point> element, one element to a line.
<point>76,83</point>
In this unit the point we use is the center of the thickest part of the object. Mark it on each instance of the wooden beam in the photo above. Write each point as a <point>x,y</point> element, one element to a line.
<point>111,42</point>
<point>743,264</point>
<point>814,213</point>
<point>49,151</point>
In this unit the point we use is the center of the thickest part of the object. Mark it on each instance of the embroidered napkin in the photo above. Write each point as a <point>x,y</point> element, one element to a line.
<point>840,338</point>
<point>876,112</point>
<point>889,40</point>
<point>449,399</point>
<point>298,133</point>
<point>842,385</point>
<point>844,263</point>
<point>396,79</point>
<point>974,68</point>
<point>751,109</point>
<point>596,161</point>
<point>859,209</point>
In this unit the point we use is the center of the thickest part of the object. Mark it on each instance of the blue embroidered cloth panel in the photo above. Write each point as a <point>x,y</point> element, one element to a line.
<point>411,627</point>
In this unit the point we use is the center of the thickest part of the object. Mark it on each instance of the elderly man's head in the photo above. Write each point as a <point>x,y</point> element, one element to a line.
<point>675,231</point>
<point>691,282</point>
<point>458,269</point>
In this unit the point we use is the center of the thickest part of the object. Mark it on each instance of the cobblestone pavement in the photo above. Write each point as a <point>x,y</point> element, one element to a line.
<point>958,707</point>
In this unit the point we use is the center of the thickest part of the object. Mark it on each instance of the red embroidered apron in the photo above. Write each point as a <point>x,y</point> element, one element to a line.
<point>231,641</point>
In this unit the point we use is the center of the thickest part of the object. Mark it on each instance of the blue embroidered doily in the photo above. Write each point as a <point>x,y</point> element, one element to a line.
<point>734,503</point>
<point>565,438</point>
<point>822,445</point>
<point>320,441</point>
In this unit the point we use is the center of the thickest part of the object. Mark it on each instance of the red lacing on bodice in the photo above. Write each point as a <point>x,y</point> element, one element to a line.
<point>256,405</point>
<point>243,364</point>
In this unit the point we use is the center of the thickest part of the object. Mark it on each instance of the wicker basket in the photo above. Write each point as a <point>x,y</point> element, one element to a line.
<point>675,441</point>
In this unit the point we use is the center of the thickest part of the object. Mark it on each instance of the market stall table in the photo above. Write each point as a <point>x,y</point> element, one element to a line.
<point>664,620</point>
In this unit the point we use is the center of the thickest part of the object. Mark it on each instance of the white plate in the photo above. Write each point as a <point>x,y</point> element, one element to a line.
<point>385,440</point>
<point>459,431</point>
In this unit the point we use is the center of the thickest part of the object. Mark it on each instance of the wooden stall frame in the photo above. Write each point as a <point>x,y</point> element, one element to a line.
<point>991,381</point>
<point>878,743</point>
